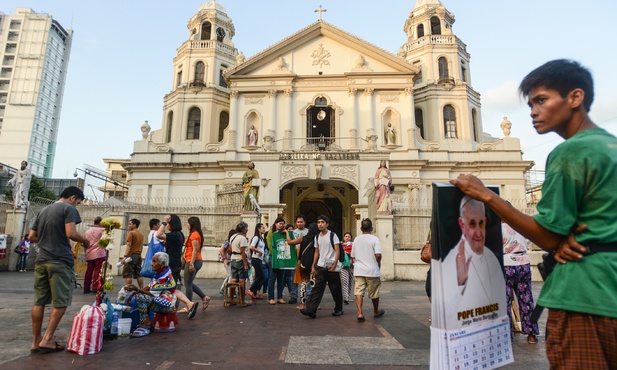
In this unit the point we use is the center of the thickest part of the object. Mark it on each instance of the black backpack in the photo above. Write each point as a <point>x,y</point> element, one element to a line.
<point>307,257</point>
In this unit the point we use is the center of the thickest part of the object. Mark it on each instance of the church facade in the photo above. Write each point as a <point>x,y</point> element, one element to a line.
<point>317,113</point>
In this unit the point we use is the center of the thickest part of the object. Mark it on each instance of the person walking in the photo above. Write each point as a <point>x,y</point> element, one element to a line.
<point>225,258</point>
<point>257,247</point>
<point>366,256</point>
<point>516,265</point>
<point>326,270</point>
<point>54,277</point>
<point>346,271</point>
<point>95,257</point>
<point>193,261</point>
<point>173,240</point>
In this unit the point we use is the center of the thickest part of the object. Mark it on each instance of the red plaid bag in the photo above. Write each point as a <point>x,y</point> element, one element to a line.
<point>86,336</point>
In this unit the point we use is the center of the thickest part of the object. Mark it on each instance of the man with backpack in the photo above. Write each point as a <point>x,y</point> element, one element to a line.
<point>325,270</point>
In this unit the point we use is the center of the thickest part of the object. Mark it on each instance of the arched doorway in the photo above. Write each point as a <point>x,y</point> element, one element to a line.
<point>311,198</point>
<point>312,208</point>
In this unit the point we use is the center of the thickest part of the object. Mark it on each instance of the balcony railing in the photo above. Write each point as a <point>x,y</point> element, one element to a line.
<point>317,144</point>
<point>435,40</point>
<point>208,44</point>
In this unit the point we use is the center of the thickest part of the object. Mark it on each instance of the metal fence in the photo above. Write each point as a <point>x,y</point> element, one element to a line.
<point>412,224</point>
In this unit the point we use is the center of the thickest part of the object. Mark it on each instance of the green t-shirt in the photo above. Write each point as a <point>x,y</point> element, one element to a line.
<point>579,189</point>
<point>283,254</point>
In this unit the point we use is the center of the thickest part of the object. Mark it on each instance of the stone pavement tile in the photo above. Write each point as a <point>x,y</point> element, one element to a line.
<point>401,357</point>
<point>329,350</point>
<point>371,342</point>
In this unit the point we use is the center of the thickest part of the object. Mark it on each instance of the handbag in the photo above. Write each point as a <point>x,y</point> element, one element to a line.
<point>18,249</point>
<point>86,336</point>
<point>347,261</point>
<point>425,253</point>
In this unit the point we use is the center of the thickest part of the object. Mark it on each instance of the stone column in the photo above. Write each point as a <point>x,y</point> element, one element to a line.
<point>384,230</point>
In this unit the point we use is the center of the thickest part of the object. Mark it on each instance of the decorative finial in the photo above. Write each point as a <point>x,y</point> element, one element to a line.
<point>506,125</point>
<point>320,10</point>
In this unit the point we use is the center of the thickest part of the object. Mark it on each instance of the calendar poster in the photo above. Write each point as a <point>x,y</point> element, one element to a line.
<point>470,327</point>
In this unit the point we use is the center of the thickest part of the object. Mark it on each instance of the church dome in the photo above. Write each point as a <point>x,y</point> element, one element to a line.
<point>213,5</point>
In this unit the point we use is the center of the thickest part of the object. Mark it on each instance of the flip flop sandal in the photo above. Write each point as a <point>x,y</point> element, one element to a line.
<point>360,319</point>
<point>193,310</point>
<point>140,332</point>
<point>183,310</point>
<point>379,314</point>
<point>205,303</point>
<point>44,350</point>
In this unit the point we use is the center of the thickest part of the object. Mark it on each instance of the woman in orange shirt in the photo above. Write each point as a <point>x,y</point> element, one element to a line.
<point>193,261</point>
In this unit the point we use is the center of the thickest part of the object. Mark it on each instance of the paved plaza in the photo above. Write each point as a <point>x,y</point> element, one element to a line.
<point>260,336</point>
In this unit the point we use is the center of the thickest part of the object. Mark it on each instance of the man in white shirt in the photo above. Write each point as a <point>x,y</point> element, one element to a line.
<point>155,224</point>
<point>366,257</point>
<point>326,269</point>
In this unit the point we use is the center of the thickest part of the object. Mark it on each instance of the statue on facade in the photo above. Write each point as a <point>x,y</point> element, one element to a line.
<point>383,182</point>
<point>371,140</point>
<point>145,130</point>
<point>390,135</point>
<point>253,136</point>
<point>21,185</point>
<point>240,58</point>
<point>251,183</point>
<point>506,125</point>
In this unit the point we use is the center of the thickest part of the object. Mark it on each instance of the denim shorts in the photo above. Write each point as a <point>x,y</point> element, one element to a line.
<point>237,270</point>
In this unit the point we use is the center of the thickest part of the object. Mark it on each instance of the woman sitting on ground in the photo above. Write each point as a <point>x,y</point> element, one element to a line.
<point>159,296</point>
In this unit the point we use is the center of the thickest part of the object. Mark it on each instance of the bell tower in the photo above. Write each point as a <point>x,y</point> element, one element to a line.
<point>446,106</point>
<point>196,111</point>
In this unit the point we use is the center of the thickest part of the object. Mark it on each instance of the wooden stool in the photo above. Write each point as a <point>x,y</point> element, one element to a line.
<point>165,322</point>
<point>228,298</point>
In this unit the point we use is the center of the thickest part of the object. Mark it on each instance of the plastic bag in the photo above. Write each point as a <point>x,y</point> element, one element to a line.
<point>153,248</point>
<point>86,336</point>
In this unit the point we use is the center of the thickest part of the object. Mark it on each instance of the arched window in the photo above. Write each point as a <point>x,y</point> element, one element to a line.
<point>449,121</point>
<point>444,74</point>
<point>474,122</point>
<point>223,124</point>
<point>220,34</point>
<point>206,31</point>
<point>170,122</point>
<point>200,70</point>
<point>194,124</point>
<point>435,26</point>
<point>420,121</point>
<point>420,30</point>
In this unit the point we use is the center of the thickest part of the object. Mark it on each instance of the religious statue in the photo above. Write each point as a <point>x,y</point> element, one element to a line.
<point>371,140</point>
<point>240,58</point>
<point>21,185</point>
<point>145,130</point>
<point>383,182</point>
<point>390,135</point>
<point>506,125</point>
<point>251,183</point>
<point>252,136</point>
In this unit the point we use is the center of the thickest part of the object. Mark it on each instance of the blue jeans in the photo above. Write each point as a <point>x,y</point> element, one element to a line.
<point>277,276</point>
<point>23,258</point>
<point>289,282</point>
<point>188,279</point>
<point>264,284</point>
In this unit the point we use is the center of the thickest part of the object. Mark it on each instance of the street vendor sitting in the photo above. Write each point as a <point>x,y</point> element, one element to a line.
<point>159,296</point>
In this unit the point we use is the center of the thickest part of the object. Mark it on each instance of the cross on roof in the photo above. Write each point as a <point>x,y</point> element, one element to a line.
<point>320,10</point>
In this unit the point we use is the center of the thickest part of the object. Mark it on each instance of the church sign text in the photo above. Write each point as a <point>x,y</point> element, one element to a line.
<point>317,156</point>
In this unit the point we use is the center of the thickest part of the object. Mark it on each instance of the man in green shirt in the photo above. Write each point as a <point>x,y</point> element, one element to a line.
<point>578,197</point>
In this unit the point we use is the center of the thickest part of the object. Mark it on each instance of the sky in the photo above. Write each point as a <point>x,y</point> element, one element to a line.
<point>121,60</point>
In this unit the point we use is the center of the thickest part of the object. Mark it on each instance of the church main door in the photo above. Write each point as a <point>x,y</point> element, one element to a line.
<point>328,197</point>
